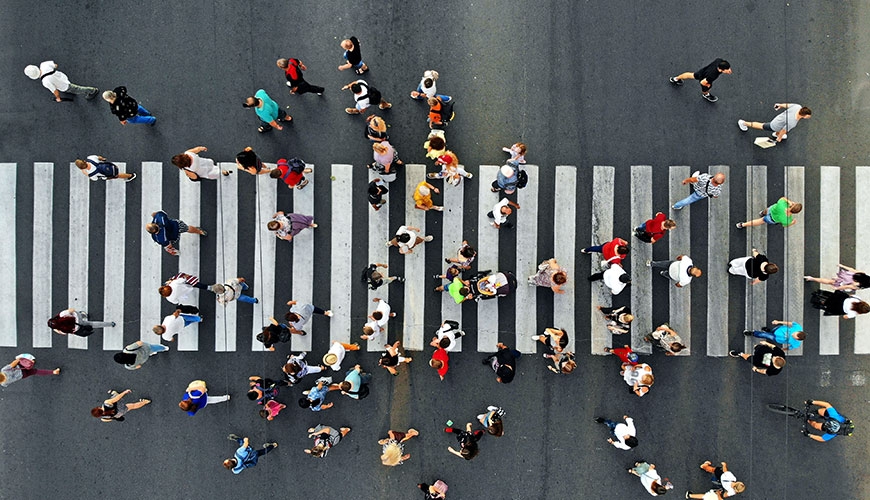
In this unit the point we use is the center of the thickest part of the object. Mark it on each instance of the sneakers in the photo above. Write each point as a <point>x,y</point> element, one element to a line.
<point>302,184</point>
<point>675,81</point>
<point>439,209</point>
<point>234,437</point>
<point>648,263</point>
<point>428,238</point>
<point>739,225</point>
<point>400,279</point>
<point>742,125</point>
<point>132,176</point>
<point>114,324</point>
<point>748,333</point>
<point>710,97</point>
<point>583,250</point>
<point>491,408</point>
<point>436,276</point>
<point>385,105</point>
<point>328,313</point>
<point>734,353</point>
<point>272,444</point>
<point>762,213</point>
<point>599,420</point>
<point>389,243</point>
<point>469,175</point>
<point>92,94</point>
<point>676,207</point>
<point>536,337</point>
<point>432,175</point>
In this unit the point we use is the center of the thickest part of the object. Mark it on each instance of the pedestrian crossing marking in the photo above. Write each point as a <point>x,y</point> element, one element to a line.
<point>150,272</point>
<point>451,240</point>
<point>414,289</point>
<point>792,266</point>
<point>717,281</point>
<point>43,234</point>
<point>264,257</point>
<point>378,232</point>
<point>189,197</point>
<point>527,260</point>
<point>862,250</point>
<point>114,264</point>
<point>679,243</point>
<point>564,245</point>
<point>226,235</point>
<point>756,237</point>
<point>487,257</point>
<point>79,248</point>
<point>602,232</point>
<point>641,276</point>
<point>342,245</point>
<point>829,252</point>
<point>8,306</point>
<point>303,261</point>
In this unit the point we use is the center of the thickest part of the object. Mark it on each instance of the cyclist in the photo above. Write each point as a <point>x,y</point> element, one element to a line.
<point>829,422</point>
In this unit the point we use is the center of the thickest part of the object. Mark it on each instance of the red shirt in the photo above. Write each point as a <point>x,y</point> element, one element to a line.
<point>622,353</point>
<point>654,227</point>
<point>609,251</point>
<point>441,355</point>
<point>290,178</point>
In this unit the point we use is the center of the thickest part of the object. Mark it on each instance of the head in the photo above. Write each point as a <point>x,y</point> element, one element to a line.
<point>345,386</point>
<point>496,427</point>
<point>677,347</point>
<point>318,450</point>
<point>158,329</point>
<point>738,486</point>
<point>520,148</point>
<point>379,148</point>
<point>805,112</point>
<point>376,275</point>
<point>771,268</point>
<point>356,88</point>
<point>795,208</point>
<point>436,363</point>
<point>250,102</point>
<point>569,366</point>
<point>862,280</point>
<point>778,362</point>
<point>292,317</point>
<point>696,272</point>
<point>330,359</point>
<point>124,358</point>
<point>152,228</point>
<point>392,455</point>
<point>247,158</point>
<point>799,336</point>
<point>432,102</point>
<point>437,143</point>
<point>628,318</point>
<point>724,67</point>
<point>377,123</point>
<point>506,210</point>
<point>464,291</point>
<point>428,82</point>
<point>377,315</point>
<point>164,291</point>
<point>304,403</point>
<point>452,272</point>
<point>346,44</point>
<point>624,278</point>
<point>368,331</point>
<point>282,63</point>
<point>186,405</point>
<point>469,452</point>
<point>230,463</point>
<point>861,307</point>
<point>291,367</point>
<point>403,238</point>
<point>32,72</point>
<point>81,164</point>
<point>264,413</point>
<point>631,441</point>
<point>424,191</point>
<point>507,171</point>
<point>95,412</point>
<point>560,278</point>
<point>669,224</point>
<point>632,357</point>
<point>218,289</point>
<point>254,394</point>
<point>109,96</point>
<point>621,249</point>
<point>468,252</point>
<point>563,339</point>
<point>718,179</point>
<point>273,225</point>
<point>444,343</point>
<point>2,378</point>
<point>658,488</point>
<point>647,379</point>
<point>181,161</point>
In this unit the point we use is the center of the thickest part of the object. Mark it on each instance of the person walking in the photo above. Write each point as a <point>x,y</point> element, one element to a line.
<point>551,275</point>
<point>436,491</point>
<point>723,478</point>
<point>364,95</point>
<point>703,186</point>
<point>20,368</point>
<point>315,398</point>
<point>196,398</point>
<point>423,197</point>
<point>766,359</point>
<point>406,238</point>
<point>639,377</point>
<point>179,290</point>
<point>352,56</point>
<point>392,447</point>
<point>467,440</point>
<point>392,358</point>
<point>136,354</point>
<point>781,212</point>
<point>166,231</point>
<point>296,368</point>
<point>789,334</point>
<point>653,229</point>
<point>464,256</point>
<point>356,383</point>
<point>614,276</point>
<point>267,110</point>
<point>174,323</point>
<point>446,335</point>
<point>287,226</point>
<point>298,317</point>
<point>450,169</point>
<point>275,333</point>
<point>293,69</point>
<point>325,438</point>
<point>500,213</point>
<point>427,88</point>
<point>386,160</point>
<point>375,279</point>
<point>650,479</point>
<point>376,129</point>
<point>622,435</point>
<point>705,76</point>
<point>613,252</point>
<point>57,82</point>
<point>440,359</point>
<point>563,362</point>
<point>291,172</point>
<point>625,354</point>
<point>233,290</point>
<point>127,109</point>
<point>665,339</point>
<point>113,411</point>
<point>517,153</point>
<point>839,302</point>
<point>248,161</point>
<point>554,339</point>
<point>503,363</point>
<point>72,322</point>
<point>493,420</point>
<point>379,318</point>
<point>506,180</point>
<point>245,456</point>
<point>848,279</point>
<point>336,354</point>
<point>755,267</point>
<point>680,270</point>
<point>618,319</point>
<point>197,168</point>
<point>782,123</point>
<point>97,168</point>
<point>376,190</point>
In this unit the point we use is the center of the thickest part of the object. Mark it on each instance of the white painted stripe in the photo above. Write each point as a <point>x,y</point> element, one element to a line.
<point>264,258</point>
<point>602,232</point>
<point>717,279</point>
<point>114,262</point>
<point>303,258</point>
<point>862,250</point>
<point>564,244</point>
<point>226,235</point>
<point>79,251</point>
<point>150,274</point>
<point>756,237</point>
<point>342,243</point>
<point>641,275</point>
<point>792,267</point>
<point>487,258</point>
<point>188,258</point>
<point>415,270</point>
<point>379,233</point>
<point>680,299</point>
<point>8,304</point>
<point>43,186</point>
<point>452,238</point>
<point>527,262</point>
<point>829,251</point>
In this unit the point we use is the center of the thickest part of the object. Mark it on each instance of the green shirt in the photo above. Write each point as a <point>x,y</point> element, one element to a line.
<point>454,290</point>
<point>777,212</point>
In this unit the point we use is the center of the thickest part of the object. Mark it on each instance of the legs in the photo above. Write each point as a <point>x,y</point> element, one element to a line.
<point>660,264</point>
<point>596,276</point>
<point>189,319</point>
<point>751,223</point>
<point>137,404</point>
<point>33,371</point>
<point>266,449</point>
<point>210,400</point>
<point>143,116</point>
<point>155,348</point>
<point>688,200</point>
<point>97,324</point>
<point>593,248</point>
<point>764,335</point>
<point>90,92</point>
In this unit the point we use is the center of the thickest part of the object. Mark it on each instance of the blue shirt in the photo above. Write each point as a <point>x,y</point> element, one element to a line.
<point>353,377</point>
<point>269,111</point>
<point>507,183</point>
<point>833,414</point>
<point>199,398</point>
<point>782,334</point>
<point>245,457</point>
<point>168,229</point>
<point>316,394</point>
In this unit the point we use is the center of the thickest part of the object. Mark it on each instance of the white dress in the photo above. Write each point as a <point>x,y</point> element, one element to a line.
<point>203,167</point>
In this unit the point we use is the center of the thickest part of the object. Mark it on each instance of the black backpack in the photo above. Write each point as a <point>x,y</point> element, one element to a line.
<point>296,164</point>
<point>522,178</point>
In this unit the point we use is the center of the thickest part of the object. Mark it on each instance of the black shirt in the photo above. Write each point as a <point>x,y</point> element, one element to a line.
<point>759,358</point>
<point>709,72</point>
<point>753,267</point>
<point>354,56</point>
<point>367,273</point>
<point>506,359</point>
<point>124,107</point>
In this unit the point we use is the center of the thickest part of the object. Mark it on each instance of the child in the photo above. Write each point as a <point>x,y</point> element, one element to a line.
<point>517,152</point>
<point>271,409</point>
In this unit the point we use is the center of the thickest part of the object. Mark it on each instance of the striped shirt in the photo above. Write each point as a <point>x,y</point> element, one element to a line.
<point>705,187</point>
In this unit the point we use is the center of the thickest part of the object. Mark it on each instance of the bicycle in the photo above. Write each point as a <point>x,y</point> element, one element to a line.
<point>789,411</point>
<point>829,425</point>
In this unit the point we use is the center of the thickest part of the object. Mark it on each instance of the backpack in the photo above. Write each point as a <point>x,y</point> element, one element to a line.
<point>445,113</point>
<point>104,168</point>
<point>522,178</point>
<point>296,165</point>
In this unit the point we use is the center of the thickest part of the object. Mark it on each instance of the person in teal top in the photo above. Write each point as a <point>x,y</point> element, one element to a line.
<point>781,212</point>
<point>267,111</point>
<point>789,334</point>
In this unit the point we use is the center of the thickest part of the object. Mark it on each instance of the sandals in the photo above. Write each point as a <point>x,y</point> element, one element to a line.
<point>262,129</point>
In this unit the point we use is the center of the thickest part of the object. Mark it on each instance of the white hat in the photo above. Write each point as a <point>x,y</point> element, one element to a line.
<point>507,171</point>
<point>32,71</point>
<point>424,191</point>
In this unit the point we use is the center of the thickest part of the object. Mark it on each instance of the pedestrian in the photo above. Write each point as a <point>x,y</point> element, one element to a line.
<point>437,491</point>
<point>196,398</point>
<point>622,435</point>
<point>550,274</point>
<point>315,398</point>
<point>446,335</point>
<point>440,358</point>
<point>127,109</point>
<point>166,231</point>
<point>356,383</point>
<point>724,478</point>
<point>376,191</point>
<point>705,76</point>
<point>639,377</point>
<point>325,438</point>
<point>406,238</point>
<point>174,323</point>
<point>70,321</point>
<point>755,267</point>
<point>97,168</point>
<point>625,354</point>
<point>268,111</point>
<point>451,171</point>
<point>20,368</point>
<point>467,439</point>
<point>179,290</point>
<point>440,112</point>
<point>379,318</point>
<point>352,56</point>
<point>563,362</point>
<point>680,270</point>
<point>136,354</point>
<point>375,278</point>
<point>839,302</point>
<point>450,274</point>
<point>766,359</point>
<point>393,449</point>
<point>427,88</point>
<point>503,363</point>
<point>113,411</point>
<point>500,213</point>
<point>262,390</point>
<point>248,161</point>
<point>289,225</point>
<point>653,229</point>
<point>618,319</point>
<point>650,479</point>
<point>666,339</point>
<point>782,123</point>
<point>614,276</point>
<point>392,358</point>
<point>555,339</point>
<point>232,290</point>
<point>336,354</point>
<point>376,129</point>
<point>292,172</point>
<point>271,409</point>
<point>386,160</point>
<point>364,95</point>
<point>57,81</point>
<point>245,456</point>
<point>293,69</point>
<point>493,420</point>
<point>780,212</point>
<point>703,186</point>
<point>275,333</point>
<point>298,317</point>
<point>459,290</point>
<point>423,197</point>
<point>848,279</point>
<point>435,146</point>
<point>613,252</point>
<point>197,168</point>
<point>506,180</point>
<point>295,368</point>
<point>464,256</point>
<point>517,151</point>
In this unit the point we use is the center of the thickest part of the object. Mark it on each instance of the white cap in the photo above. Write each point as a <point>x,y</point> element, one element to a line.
<point>32,71</point>
<point>424,190</point>
<point>507,171</point>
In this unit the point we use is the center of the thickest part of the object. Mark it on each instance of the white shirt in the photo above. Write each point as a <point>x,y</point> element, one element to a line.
<point>611,278</point>
<point>173,326</point>
<point>447,331</point>
<point>847,307</point>
<point>182,293</point>
<point>92,168</point>
<point>339,351</point>
<point>430,92</point>
<point>203,167</point>
<point>232,290</point>
<point>363,103</point>
<point>57,81</point>
<point>621,430</point>
<point>679,270</point>
<point>384,308</point>
<point>727,481</point>
<point>499,217</point>
<point>648,478</point>
<point>406,246</point>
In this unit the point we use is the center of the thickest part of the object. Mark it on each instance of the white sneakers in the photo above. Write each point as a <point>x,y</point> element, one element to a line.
<point>742,125</point>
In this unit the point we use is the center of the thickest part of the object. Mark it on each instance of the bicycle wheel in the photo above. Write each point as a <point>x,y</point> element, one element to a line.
<point>782,409</point>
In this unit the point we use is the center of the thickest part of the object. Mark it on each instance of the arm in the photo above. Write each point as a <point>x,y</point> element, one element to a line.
<point>118,397</point>
<point>689,180</point>
<point>515,205</point>
<point>273,321</point>
<point>197,150</point>
<point>415,229</point>
<point>781,322</point>
<point>847,268</point>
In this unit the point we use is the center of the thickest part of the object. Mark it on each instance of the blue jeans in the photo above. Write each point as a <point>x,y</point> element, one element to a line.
<point>611,425</point>
<point>764,335</point>
<point>155,348</point>
<point>246,298</point>
<point>594,248</point>
<point>189,319</point>
<point>692,198</point>
<point>365,378</point>
<point>143,116</point>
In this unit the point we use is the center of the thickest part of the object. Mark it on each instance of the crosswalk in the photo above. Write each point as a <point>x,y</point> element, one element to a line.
<point>561,222</point>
